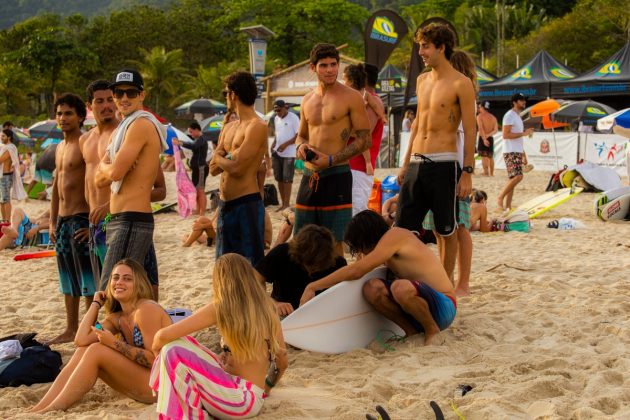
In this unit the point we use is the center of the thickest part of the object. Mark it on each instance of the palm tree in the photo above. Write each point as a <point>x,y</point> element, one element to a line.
<point>162,72</point>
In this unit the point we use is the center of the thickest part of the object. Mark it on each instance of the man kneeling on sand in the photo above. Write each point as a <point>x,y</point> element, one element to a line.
<point>416,294</point>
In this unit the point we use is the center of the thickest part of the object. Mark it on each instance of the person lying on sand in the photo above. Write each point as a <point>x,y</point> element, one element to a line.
<point>416,294</point>
<point>191,379</point>
<point>23,229</point>
<point>123,363</point>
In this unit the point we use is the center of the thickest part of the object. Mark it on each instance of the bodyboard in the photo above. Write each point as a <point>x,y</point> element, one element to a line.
<point>36,254</point>
<point>545,202</point>
<point>607,196</point>
<point>337,320</point>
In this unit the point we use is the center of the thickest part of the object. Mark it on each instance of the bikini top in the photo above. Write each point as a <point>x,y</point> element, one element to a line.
<point>136,335</point>
<point>272,357</point>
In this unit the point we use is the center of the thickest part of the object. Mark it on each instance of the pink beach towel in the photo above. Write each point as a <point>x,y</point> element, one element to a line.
<point>186,192</point>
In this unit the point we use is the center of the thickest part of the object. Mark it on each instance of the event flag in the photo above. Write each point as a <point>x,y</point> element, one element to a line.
<point>383,32</point>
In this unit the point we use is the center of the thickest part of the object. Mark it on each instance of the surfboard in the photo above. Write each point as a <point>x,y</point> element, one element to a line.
<point>545,202</point>
<point>616,209</point>
<point>162,207</point>
<point>567,177</point>
<point>37,254</point>
<point>338,320</point>
<point>607,196</point>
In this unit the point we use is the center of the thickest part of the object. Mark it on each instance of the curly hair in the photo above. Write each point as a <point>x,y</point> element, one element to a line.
<point>462,62</point>
<point>243,84</point>
<point>74,102</point>
<point>356,74</point>
<point>364,231</point>
<point>438,34</point>
<point>313,248</point>
<point>323,50</point>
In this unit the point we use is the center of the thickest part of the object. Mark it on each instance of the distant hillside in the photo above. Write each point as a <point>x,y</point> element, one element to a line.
<point>13,11</point>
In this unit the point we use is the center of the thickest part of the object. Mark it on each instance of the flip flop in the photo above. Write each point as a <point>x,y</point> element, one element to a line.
<point>439,415</point>
<point>382,414</point>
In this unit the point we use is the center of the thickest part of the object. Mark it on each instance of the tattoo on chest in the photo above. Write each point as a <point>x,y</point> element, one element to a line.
<point>345,134</point>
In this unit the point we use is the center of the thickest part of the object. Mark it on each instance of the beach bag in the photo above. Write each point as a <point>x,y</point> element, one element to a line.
<point>25,339</point>
<point>555,182</point>
<point>36,365</point>
<point>375,201</point>
<point>270,195</point>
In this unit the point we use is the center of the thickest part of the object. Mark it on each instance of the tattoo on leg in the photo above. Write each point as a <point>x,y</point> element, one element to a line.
<point>362,142</point>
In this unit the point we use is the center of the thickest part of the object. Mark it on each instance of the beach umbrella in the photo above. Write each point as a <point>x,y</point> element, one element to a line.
<point>587,112</point>
<point>619,118</point>
<point>201,106</point>
<point>49,142</point>
<point>45,129</point>
<point>22,139</point>
<point>176,133</point>
<point>211,127</point>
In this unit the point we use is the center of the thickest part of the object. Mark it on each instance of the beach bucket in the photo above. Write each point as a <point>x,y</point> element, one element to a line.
<point>389,188</point>
<point>374,202</point>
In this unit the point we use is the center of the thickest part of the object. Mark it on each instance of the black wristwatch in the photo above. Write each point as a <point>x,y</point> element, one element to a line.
<point>468,169</point>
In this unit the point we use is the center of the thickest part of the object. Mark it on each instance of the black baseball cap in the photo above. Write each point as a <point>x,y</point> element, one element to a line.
<point>518,97</point>
<point>279,103</point>
<point>128,77</point>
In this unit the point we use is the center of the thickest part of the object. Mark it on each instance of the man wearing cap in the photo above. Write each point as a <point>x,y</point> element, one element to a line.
<point>130,167</point>
<point>286,126</point>
<point>486,126</point>
<point>513,152</point>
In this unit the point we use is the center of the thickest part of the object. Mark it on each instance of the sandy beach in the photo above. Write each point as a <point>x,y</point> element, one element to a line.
<point>544,335</point>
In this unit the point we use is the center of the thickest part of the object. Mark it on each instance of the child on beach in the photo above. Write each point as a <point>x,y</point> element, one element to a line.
<point>119,350</point>
<point>193,381</point>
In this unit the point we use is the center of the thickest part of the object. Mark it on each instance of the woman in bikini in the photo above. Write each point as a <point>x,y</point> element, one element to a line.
<point>119,350</point>
<point>192,381</point>
<point>479,212</point>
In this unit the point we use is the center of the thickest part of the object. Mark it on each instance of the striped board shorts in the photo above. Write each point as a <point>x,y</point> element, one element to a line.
<point>325,199</point>
<point>463,215</point>
<point>190,383</point>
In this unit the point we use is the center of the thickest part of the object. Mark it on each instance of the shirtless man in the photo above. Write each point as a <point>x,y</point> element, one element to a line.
<point>416,294</point>
<point>69,215</point>
<point>431,177</point>
<point>329,114</point>
<point>130,167</point>
<point>242,145</point>
<point>487,126</point>
<point>93,145</point>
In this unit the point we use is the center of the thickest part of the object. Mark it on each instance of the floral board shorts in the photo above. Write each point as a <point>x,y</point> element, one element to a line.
<point>513,163</point>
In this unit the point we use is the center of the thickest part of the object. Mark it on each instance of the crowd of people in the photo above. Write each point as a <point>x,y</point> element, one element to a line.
<point>102,225</point>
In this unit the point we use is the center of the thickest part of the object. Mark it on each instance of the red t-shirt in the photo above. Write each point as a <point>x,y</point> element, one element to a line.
<point>357,162</point>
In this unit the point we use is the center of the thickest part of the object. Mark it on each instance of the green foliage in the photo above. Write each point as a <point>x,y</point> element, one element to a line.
<point>162,72</point>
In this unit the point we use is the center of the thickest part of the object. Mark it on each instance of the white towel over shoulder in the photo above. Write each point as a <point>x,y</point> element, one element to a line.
<point>17,191</point>
<point>119,136</point>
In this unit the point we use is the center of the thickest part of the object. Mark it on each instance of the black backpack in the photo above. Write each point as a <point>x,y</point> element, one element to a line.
<point>37,363</point>
<point>270,195</point>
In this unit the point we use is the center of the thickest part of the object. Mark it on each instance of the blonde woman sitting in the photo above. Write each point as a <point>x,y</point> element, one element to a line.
<point>119,350</point>
<point>192,381</point>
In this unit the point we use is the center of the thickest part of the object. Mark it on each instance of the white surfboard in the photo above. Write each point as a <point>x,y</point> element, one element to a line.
<point>338,320</point>
<point>547,201</point>
<point>606,196</point>
<point>616,209</point>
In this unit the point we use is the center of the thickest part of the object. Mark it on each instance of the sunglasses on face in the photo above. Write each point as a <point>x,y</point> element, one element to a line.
<point>131,93</point>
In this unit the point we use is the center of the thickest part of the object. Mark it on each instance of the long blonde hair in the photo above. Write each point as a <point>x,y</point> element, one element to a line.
<point>461,61</point>
<point>141,286</point>
<point>246,316</point>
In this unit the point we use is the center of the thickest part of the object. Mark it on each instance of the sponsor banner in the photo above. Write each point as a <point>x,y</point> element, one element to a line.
<point>383,32</point>
<point>609,150</point>
<point>541,150</point>
<point>257,57</point>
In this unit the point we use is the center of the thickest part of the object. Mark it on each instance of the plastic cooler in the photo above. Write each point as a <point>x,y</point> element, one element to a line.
<point>389,187</point>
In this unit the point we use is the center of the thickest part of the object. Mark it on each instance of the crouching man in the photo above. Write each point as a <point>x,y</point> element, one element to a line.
<point>416,294</point>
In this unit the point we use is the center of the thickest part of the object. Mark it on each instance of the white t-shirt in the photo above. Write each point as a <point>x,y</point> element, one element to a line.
<point>286,128</point>
<point>513,145</point>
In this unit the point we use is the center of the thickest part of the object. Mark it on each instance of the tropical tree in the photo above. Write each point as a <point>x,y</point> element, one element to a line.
<point>162,72</point>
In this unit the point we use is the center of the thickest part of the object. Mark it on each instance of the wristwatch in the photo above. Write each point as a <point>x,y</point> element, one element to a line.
<point>468,169</point>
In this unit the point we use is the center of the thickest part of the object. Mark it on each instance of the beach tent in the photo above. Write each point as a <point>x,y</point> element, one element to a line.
<point>391,80</point>
<point>610,78</point>
<point>532,79</point>
<point>484,76</point>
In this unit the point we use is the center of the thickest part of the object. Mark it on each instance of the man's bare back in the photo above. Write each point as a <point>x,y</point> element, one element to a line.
<point>487,123</point>
<point>329,117</point>
<point>245,142</point>
<point>439,112</point>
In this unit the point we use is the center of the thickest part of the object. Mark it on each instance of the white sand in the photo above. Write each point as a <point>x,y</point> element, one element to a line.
<point>544,335</point>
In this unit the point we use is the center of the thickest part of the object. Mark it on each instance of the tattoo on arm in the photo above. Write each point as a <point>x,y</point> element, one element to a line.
<point>362,142</point>
<point>132,353</point>
<point>345,134</point>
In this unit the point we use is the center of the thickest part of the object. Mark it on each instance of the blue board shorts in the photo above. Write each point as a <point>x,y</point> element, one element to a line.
<point>241,227</point>
<point>73,257</point>
<point>442,307</point>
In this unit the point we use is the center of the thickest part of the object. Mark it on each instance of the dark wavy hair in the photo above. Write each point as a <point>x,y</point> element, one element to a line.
<point>243,84</point>
<point>371,72</point>
<point>74,102</point>
<point>9,133</point>
<point>313,248</point>
<point>364,231</point>
<point>94,86</point>
<point>477,196</point>
<point>323,50</point>
<point>355,73</point>
<point>438,34</point>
